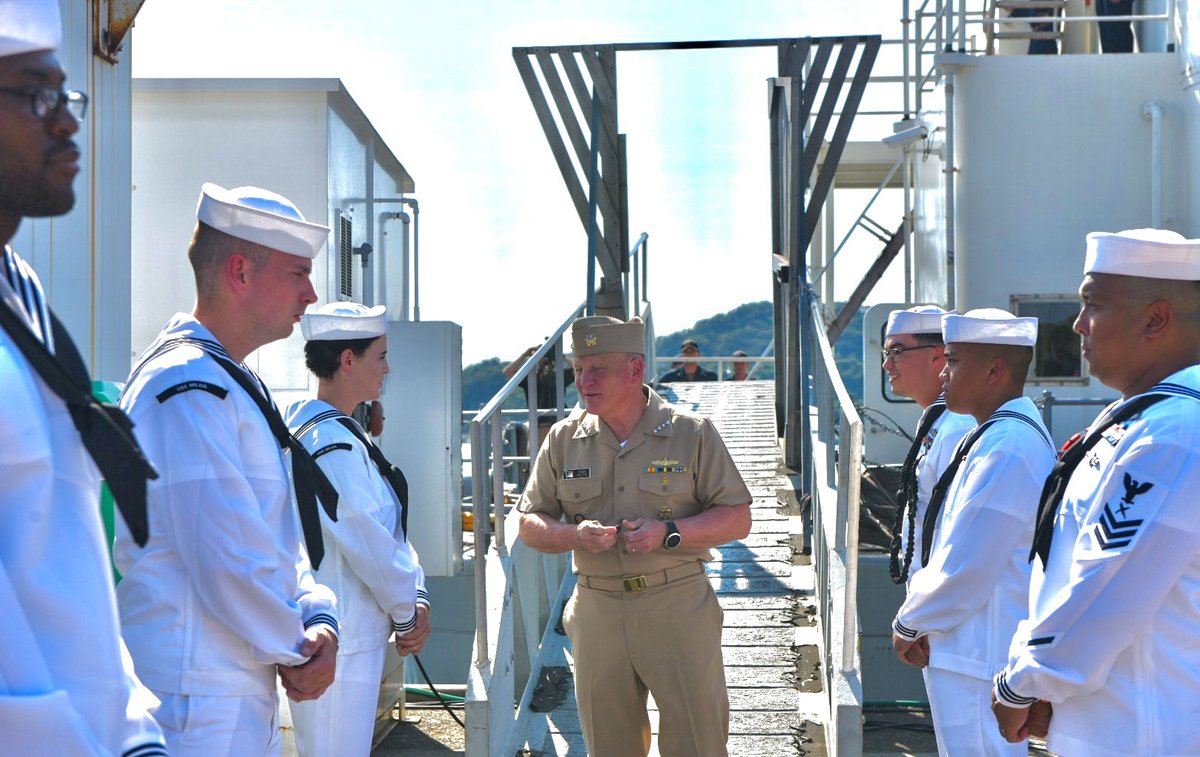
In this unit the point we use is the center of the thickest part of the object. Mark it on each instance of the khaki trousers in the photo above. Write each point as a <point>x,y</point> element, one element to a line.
<point>665,640</point>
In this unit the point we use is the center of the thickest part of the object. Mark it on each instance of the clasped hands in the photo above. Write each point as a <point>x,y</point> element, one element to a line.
<point>309,680</point>
<point>1019,723</point>
<point>641,535</point>
<point>1016,723</point>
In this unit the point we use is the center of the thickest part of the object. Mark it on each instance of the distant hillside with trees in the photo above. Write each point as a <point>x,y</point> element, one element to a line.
<point>748,328</point>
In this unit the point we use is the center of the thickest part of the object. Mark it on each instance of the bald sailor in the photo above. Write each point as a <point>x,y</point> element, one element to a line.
<point>67,685</point>
<point>913,358</point>
<point>369,564</point>
<point>973,585</point>
<point>1111,638</point>
<point>222,598</point>
<point>639,491</point>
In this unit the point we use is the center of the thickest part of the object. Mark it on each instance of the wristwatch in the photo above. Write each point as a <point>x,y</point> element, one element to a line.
<point>673,538</point>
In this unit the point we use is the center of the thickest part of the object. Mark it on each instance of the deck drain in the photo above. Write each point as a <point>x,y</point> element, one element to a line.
<point>808,668</point>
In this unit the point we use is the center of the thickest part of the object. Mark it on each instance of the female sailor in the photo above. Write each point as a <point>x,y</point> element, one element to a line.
<point>368,563</point>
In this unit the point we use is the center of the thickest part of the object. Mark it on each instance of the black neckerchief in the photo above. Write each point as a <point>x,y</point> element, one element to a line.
<point>938,497</point>
<point>106,432</point>
<point>393,475</point>
<point>1056,482</point>
<point>309,480</point>
<point>907,495</point>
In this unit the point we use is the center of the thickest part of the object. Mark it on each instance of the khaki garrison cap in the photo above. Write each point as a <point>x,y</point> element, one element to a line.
<point>599,334</point>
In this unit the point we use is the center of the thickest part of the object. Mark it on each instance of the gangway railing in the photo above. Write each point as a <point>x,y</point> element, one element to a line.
<point>837,468</point>
<point>759,363</point>
<point>519,591</point>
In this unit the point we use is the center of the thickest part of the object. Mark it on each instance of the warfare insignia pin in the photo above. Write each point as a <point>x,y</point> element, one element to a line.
<point>590,340</point>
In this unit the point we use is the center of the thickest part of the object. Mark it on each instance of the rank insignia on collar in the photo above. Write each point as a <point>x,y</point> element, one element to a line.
<point>590,340</point>
<point>661,427</point>
<point>576,473</point>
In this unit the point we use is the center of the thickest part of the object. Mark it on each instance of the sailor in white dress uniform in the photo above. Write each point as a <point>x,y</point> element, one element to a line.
<point>222,597</point>
<point>369,562</point>
<point>972,588</point>
<point>913,358</point>
<point>67,685</point>
<point>1111,639</point>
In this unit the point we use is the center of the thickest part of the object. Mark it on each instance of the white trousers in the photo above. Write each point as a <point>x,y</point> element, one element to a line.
<point>342,720</point>
<point>962,716</point>
<point>196,726</point>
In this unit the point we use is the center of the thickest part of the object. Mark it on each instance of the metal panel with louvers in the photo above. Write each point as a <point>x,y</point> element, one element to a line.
<point>345,258</point>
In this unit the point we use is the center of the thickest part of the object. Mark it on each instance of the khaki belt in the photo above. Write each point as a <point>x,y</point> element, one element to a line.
<point>640,583</point>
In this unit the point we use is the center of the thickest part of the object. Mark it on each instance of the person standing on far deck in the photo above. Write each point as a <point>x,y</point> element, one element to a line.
<point>741,368</point>
<point>67,685</point>
<point>688,371</point>
<point>1111,638</point>
<point>913,357</point>
<point>639,490</point>
<point>973,587</point>
<point>221,600</point>
<point>370,564</point>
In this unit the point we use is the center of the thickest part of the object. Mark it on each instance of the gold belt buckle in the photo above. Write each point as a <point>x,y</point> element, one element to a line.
<point>636,583</point>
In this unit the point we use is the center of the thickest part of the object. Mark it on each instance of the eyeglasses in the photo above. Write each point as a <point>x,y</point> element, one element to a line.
<point>45,101</point>
<point>895,352</point>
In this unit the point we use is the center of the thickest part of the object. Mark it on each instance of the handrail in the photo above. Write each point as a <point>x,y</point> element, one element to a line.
<point>831,484</point>
<point>720,360</point>
<point>842,439</point>
<point>863,214</point>
<point>1047,402</point>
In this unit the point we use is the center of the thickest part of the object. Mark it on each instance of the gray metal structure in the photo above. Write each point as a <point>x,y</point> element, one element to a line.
<point>803,108</point>
<point>593,167</point>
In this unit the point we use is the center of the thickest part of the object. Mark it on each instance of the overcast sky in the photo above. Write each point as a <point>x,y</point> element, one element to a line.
<point>502,251</point>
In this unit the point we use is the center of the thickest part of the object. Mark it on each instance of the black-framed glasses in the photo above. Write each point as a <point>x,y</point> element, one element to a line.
<point>895,352</point>
<point>45,101</point>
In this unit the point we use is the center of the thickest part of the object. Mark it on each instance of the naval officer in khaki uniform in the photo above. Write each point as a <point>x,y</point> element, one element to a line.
<point>639,490</point>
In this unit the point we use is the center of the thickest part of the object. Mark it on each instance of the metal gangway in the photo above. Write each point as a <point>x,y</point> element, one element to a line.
<point>790,642</point>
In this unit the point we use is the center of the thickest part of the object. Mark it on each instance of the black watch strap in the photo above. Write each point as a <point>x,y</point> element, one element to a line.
<point>673,538</point>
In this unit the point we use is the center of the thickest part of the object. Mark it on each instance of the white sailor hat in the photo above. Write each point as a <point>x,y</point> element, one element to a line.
<point>1150,253</point>
<point>262,217</point>
<point>990,326</point>
<point>27,26</point>
<point>344,320</point>
<point>923,319</point>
